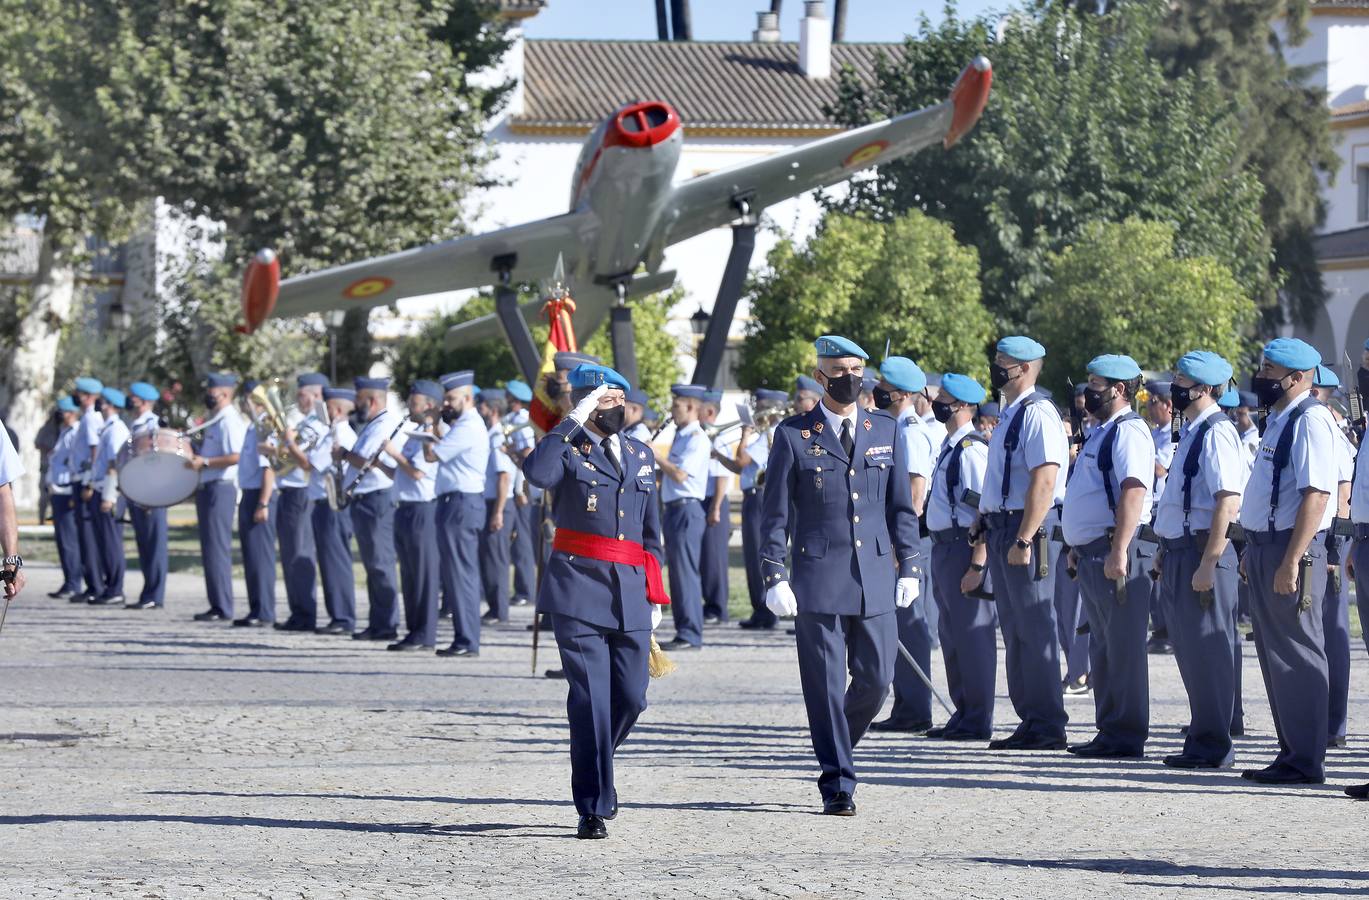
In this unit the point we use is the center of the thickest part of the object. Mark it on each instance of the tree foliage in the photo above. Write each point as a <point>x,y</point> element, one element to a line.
<point>1123,288</point>
<point>907,281</point>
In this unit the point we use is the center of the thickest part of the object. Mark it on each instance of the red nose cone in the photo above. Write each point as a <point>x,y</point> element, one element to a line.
<point>968,99</point>
<point>642,125</point>
<point>260,287</point>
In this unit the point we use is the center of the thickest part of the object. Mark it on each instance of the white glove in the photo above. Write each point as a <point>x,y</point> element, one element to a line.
<point>655,616</point>
<point>586,407</point>
<point>780,600</point>
<point>906,591</point>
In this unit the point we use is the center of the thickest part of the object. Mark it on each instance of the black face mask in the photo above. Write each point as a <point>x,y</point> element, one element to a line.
<point>610,421</point>
<point>844,389</point>
<point>942,411</point>
<point>999,376</point>
<point>883,399</point>
<point>1095,400</point>
<point>1268,390</point>
<point>1180,398</point>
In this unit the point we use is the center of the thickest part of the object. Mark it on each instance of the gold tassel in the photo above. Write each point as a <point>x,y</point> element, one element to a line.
<point>658,664</point>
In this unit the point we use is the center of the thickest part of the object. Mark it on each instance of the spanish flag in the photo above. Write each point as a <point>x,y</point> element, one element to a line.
<point>544,412</point>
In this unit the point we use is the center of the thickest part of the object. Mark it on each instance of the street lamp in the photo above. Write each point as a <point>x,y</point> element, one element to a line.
<point>698,322</point>
<point>333,319</point>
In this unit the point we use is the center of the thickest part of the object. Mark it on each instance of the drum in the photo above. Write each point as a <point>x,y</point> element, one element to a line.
<point>154,468</point>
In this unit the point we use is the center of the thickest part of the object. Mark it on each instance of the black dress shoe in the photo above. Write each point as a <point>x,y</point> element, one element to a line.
<point>1238,731</point>
<point>106,601</point>
<point>679,643</point>
<point>142,604</point>
<point>83,597</point>
<point>210,616</point>
<point>752,625</point>
<point>901,727</point>
<point>367,634</point>
<point>460,652</point>
<point>1338,741</point>
<point>711,620</point>
<point>490,620</point>
<point>519,601</point>
<point>61,595</point>
<point>1358,791</point>
<point>1184,761</point>
<point>976,736</point>
<point>543,622</point>
<point>1096,750</point>
<point>613,813</point>
<point>938,732</point>
<point>591,828</point>
<point>1279,774</point>
<point>405,646</point>
<point>1008,743</point>
<point>334,628</point>
<point>292,626</point>
<point>840,805</point>
<point>250,622</point>
<point>1029,742</point>
<point>556,674</point>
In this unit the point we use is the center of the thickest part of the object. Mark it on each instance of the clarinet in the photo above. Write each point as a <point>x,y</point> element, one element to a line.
<point>370,463</point>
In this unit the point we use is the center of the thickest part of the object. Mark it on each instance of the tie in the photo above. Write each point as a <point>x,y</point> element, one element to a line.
<point>848,443</point>
<point>607,444</point>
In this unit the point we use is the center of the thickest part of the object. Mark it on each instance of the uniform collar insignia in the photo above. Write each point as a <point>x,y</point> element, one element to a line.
<point>868,426</point>
<point>817,426</point>
<point>585,448</point>
<point>805,434</point>
<point>641,454</point>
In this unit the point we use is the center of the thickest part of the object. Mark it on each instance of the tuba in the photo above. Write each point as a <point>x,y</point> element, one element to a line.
<point>274,421</point>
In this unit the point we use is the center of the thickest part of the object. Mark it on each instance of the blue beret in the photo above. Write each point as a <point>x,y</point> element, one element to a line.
<point>714,397</point>
<point>221,380</point>
<point>832,346</point>
<point>427,388</point>
<point>371,384</point>
<point>115,397</point>
<point>1292,353</point>
<point>144,391</point>
<point>1114,367</point>
<point>638,396</point>
<point>493,395</point>
<point>690,391</point>
<point>1229,400</point>
<point>250,385</point>
<point>1204,367</point>
<point>1325,378</point>
<point>568,360</point>
<point>767,395</point>
<point>805,383</point>
<point>989,409</point>
<point>963,388</point>
<point>66,404</point>
<point>457,379</point>
<point>1249,400</point>
<point>903,373</point>
<point>88,385</point>
<point>519,391</point>
<point>1159,388</point>
<point>339,393</point>
<point>1021,347</point>
<point>591,375</point>
<point>313,379</point>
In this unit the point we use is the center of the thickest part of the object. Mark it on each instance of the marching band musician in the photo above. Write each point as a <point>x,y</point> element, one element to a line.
<point>373,512</point>
<point>637,404</point>
<point>416,543</point>
<point>149,523</point>
<point>717,518</point>
<point>602,583</point>
<point>748,463</point>
<point>216,499</point>
<point>682,490</point>
<point>257,518</point>
<point>295,522</point>
<point>463,454</point>
<point>64,467</point>
<point>88,442</point>
<point>333,527</point>
<point>104,486</point>
<point>492,404</point>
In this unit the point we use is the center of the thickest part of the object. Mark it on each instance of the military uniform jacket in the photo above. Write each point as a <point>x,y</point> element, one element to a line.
<point>590,497</point>
<point>853,527</point>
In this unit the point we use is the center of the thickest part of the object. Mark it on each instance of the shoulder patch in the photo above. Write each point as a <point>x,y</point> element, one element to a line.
<point>868,425</point>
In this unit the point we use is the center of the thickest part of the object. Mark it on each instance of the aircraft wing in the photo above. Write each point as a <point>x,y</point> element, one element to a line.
<point>448,266</point>
<point>707,202</point>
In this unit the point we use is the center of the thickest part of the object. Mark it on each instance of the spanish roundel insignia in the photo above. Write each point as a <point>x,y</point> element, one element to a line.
<point>805,434</point>
<point>868,426</point>
<point>367,287</point>
<point>865,155</point>
<point>817,426</point>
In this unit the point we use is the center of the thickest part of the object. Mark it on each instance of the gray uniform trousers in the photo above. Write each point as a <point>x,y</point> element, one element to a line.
<point>1335,621</point>
<point>1118,667</point>
<point>969,641</point>
<point>1291,649</point>
<point>1069,617</point>
<point>1206,646</point>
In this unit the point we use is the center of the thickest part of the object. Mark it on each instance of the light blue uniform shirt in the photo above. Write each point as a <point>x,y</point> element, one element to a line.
<point>1164,454</point>
<point>407,488</point>
<point>112,439</point>
<point>1250,440</point>
<point>974,461</point>
<point>1041,441</point>
<point>370,439</point>
<point>1086,516</point>
<point>759,451</point>
<point>220,439</point>
<point>299,477</point>
<point>689,451</point>
<point>64,463</point>
<point>251,462</point>
<point>10,465</point>
<point>639,432</point>
<point>146,422</point>
<point>1221,469</point>
<point>321,457</point>
<point>920,444</point>
<point>87,437</point>
<point>716,469</point>
<point>464,452</point>
<point>1311,466</point>
<point>497,464</point>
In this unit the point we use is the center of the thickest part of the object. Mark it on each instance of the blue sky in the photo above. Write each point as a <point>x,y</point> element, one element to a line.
<point>715,20</point>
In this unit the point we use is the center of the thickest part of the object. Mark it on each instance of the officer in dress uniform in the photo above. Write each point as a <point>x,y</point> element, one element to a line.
<point>682,490</point>
<point>901,383</point>
<point>713,555</point>
<point>522,547</point>
<point>1160,409</point>
<point>64,466</point>
<point>373,508</point>
<point>1023,487</point>
<point>1202,498</point>
<point>217,497</point>
<point>294,516</point>
<point>462,453</point>
<point>749,462</point>
<point>969,640</point>
<point>333,527</point>
<point>415,495</point>
<point>88,442</point>
<point>1336,603</point>
<point>257,518</point>
<point>107,514</point>
<point>602,584</point>
<point>836,482</point>
<point>1287,507</point>
<point>149,524</point>
<point>1107,499</point>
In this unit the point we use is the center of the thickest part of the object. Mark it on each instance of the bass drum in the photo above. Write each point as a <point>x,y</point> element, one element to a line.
<point>154,468</point>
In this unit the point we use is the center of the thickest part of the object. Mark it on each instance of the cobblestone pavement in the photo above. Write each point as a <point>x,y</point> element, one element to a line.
<point>144,755</point>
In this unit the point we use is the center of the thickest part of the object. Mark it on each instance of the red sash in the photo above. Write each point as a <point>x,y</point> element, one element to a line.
<point>607,549</point>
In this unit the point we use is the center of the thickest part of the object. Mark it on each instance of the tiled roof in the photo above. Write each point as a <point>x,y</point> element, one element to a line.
<point>1348,244</point>
<point>1340,4</point>
<point>521,9</point>
<point>1350,109</point>
<point>748,86</point>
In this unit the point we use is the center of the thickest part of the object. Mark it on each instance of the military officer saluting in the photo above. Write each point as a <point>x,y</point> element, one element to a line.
<point>603,581</point>
<point>1286,509</point>
<point>836,481</point>
<point>1202,497</point>
<point>1023,485</point>
<point>1107,500</point>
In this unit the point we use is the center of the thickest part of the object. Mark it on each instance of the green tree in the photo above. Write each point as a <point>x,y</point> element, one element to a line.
<point>906,281</point>
<point>1082,125</point>
<point>1123,288</point>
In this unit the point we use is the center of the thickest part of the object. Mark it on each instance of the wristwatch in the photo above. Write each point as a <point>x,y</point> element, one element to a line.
<point>976,567</point>
<point>1020,543</point>
<point>12,562</point>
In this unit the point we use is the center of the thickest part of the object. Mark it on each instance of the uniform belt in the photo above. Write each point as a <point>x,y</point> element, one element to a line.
<point>1259,538</point>
<point>747,492</point>
<point>682,500</point>
<point>1008,518</point>
<point>950,535</point>
<point>1361,531</point>
<point>412,502</point>
<point>606,549</point>
<point>1197,540</point>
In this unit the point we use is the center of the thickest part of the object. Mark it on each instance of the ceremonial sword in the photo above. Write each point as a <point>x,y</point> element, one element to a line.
<point>908,658</point>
